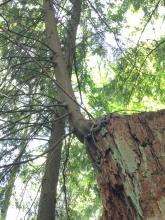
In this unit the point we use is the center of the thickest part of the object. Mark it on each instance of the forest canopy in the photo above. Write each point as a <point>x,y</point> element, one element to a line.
<point>114,55</point>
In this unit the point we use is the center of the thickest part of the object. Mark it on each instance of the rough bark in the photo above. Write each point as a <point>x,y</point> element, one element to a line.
<point>129,153</point>
<point>47,202</point>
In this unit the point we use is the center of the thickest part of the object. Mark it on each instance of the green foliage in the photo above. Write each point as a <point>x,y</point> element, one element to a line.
<point>111,72</point>
<point>82,192</point>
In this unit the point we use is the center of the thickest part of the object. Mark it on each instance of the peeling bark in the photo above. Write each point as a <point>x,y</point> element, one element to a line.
<point>130,159</point>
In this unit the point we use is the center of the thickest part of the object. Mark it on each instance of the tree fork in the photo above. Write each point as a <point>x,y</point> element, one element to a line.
<point>77,120</point>
<point>125,150</point>
<point>47,204</point>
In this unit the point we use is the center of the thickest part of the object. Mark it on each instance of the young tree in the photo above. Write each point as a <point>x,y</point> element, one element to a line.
<point>123,149</point>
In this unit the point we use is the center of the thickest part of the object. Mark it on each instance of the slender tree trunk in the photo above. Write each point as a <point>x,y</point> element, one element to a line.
<point>128,152</point>
<point>63,71</point>
<point>47,203</point>
<point>63,81</point>
<point>12,177</point>
<point>130,159</point>
<point>8,192</point>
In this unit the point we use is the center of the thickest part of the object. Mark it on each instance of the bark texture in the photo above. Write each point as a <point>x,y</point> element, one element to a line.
<point>47,203</point>
<point>129,153</point>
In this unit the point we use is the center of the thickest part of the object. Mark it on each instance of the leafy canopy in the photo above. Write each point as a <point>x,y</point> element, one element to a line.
<point>115,69</point>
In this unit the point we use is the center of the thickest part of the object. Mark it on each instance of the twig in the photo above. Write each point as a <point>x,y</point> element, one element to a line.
<point>38,156</point>
<point>4,3</point>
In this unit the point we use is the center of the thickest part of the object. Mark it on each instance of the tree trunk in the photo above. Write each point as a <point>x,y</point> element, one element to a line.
<point>12,176</point>
<point>8,192</point>
<point>47,203</point>
<point>80,125</point>
<point>128,152</point>
<point>63,70</point>
<point>129,155</point>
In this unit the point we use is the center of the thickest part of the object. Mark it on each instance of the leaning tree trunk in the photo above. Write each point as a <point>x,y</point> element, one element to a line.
<point>62,65</point>
<point>129,155</point>
<point>63,70</point>
<point>126,151</point>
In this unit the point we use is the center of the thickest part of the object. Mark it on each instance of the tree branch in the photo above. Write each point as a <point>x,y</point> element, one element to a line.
<point>40,155</point>
<point>71,35</point>
<point>4,3</point>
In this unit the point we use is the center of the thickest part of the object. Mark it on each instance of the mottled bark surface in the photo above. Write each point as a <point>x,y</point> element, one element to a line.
<point>129,154</point>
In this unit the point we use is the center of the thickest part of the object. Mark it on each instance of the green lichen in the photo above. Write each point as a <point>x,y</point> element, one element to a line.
<point>129,162</point>
<point>146,170</point>
<point>103,131</point>
<point>160,135</point>
<point>162,205</point>
<point>161,155</point>
<point>132,191</point>
<point>124,155</point>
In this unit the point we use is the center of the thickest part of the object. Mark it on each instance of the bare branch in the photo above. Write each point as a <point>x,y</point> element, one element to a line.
<point>40,155</point>
<point>46,74</point>
<point>4,3</point>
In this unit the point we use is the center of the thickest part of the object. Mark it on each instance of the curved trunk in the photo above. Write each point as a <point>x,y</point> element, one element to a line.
<point>47,202</point>
<point>63,81</point>
<point>63,69</point>
<point>124,150</point>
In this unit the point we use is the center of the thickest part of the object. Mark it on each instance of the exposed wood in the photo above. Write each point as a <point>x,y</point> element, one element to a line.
<point>130,159</point>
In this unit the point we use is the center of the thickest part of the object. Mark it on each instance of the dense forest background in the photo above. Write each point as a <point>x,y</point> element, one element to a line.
<point>116,65</point>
